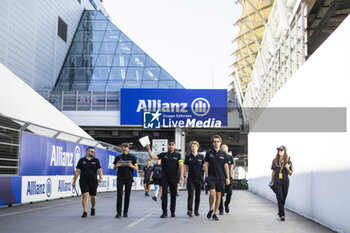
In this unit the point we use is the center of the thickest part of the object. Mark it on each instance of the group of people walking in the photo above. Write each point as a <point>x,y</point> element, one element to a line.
<point>217,164</point>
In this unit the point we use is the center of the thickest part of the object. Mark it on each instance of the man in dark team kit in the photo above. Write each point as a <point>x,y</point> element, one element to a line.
<point>216,173</point>
<point>156,177</point>
<point>146,174</point>
<point>228,188</point>
<point>194,166</point>
<point>171,161</point>
<point>125,164</point>
<point>88,167</point>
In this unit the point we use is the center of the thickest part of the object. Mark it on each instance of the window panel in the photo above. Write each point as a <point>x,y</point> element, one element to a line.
<point>85,25</point>
<point>166,84</point>
<point>124,48</point>
<point>150,62</point>
<point>137,60</point>
<point>131,84</point>
<point>124,38</point>
<point>151,73</point>
<point>149,84</point>
<point>77,48</point>
<point>100,16</point>
<point>82,36</point>
<point>104,60</point>
<point>100,74</point>
<point>111,36</point>
<point>89,15</point>
<point>117,74</point>
<point>92,48</point>
<point>97,36</point>
<point>165,76</point>
<point>134,74</point>
<point>88,60</point>
<point>121,60</point>
<point>108,48</point>
<point>72,61</point>
<point>111,26</point>
<point>114,85</point>
<point>97,86</point>
<point>100,25</point>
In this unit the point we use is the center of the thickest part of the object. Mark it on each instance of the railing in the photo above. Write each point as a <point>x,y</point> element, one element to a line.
<point>10,139</point>
<point>100,100</point>
<point>83,100</point>
<point>282,51</point>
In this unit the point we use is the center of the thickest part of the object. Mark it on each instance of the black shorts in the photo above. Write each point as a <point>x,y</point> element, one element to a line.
<point>146,181</point>
<point>214,183</point>
<point>157,182</point>
<point>90,187</point>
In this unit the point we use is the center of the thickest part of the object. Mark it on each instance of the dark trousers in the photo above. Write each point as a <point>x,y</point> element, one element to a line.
<point>228,192</point>
<point>166,184</point>
<point>193,186</point>
<point>120,184</point>
<point>281,191</point>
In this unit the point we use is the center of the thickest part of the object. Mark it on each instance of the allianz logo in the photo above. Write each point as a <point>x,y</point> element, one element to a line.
<point>61,158</point>
<point>34,188</point>
<point>199,106</point>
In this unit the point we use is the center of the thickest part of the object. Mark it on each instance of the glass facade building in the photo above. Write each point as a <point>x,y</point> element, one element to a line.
<point>103,58</point>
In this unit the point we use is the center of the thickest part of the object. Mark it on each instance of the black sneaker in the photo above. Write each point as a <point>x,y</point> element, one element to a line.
<point>209,214</point>
<point>283,218</point>
<point>92,212</point>
<point>221,212</point>
<point>125,215</point>
<point>164,215</point>
<point>118,216</point>
<point>189,213</point>
<point>145,194</point>
<point>215,218</point>
<point>227,209</point>
<point>154,198</point>
<point>196,213</point>
<point>84,215</point>
<point>172,215</point>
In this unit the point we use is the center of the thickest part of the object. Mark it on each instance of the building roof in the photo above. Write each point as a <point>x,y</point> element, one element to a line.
<point>102,58</point>
<point>252,26</point>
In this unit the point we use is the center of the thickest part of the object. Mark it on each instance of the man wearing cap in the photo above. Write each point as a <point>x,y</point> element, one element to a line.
<point>171,162</point>
<point>228,188</point>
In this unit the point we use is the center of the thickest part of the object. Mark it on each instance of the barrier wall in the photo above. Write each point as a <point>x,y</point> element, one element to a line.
<point>319,188</point>
<point>47,168</point>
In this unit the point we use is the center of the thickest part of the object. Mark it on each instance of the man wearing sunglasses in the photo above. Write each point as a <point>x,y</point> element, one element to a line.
<point>88,168</point>
<point>171,163</point>
<point>216,175</point>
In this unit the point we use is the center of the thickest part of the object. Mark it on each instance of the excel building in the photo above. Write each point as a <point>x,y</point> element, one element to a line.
<point>76,58</point>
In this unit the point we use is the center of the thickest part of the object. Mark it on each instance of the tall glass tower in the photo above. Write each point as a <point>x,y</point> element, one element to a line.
<point>103,58</point>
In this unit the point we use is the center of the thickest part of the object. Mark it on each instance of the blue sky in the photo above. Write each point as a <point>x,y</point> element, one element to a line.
<point>191,39</point>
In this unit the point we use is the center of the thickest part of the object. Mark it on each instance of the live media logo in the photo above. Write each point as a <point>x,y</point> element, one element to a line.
<point>151,120</point>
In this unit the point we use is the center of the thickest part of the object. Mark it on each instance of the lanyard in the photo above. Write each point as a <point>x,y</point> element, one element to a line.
<point>280,175</point>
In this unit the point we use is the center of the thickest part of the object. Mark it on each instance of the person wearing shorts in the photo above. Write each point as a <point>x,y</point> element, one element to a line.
<point>217,174</point>
<point>88,167</point>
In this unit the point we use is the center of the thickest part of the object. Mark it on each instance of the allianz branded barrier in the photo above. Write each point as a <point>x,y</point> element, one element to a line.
<point>47,167</point>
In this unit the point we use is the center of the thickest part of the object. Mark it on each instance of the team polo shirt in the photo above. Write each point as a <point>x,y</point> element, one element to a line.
<point>88,169</point>
<point>147,172</point>
<point>277,169</point>
<point>216,161</point>
<point>230,162</point>
<point>195,166</point>
<point>157,171</point>
<point>125,172</point>
<point>170,164</point>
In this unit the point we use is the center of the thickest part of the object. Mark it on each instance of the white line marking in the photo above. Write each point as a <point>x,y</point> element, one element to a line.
<point>141,219</point>
<point>32,209</point>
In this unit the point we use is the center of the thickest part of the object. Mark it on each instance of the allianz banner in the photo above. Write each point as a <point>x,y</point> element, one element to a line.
<point>47,156</point>
<point>155,108</point>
